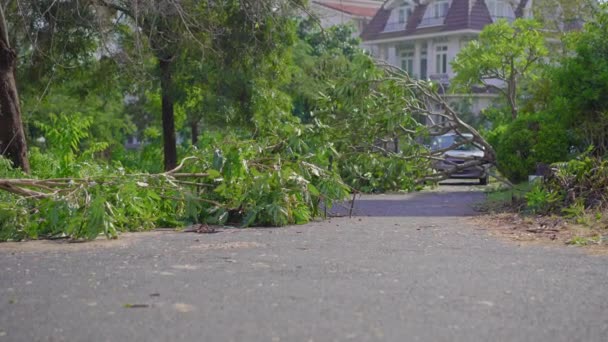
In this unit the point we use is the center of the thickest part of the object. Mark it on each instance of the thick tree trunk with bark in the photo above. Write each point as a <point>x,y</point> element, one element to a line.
<point>168,118</point>
<point>12,137</point>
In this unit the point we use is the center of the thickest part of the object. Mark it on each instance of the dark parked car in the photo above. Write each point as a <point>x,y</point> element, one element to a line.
<point>459,155</point>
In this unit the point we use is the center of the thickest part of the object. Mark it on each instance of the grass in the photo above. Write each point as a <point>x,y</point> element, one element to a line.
<point>500,198</point>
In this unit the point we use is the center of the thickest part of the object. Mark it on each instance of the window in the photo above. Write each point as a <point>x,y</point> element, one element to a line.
<point>499,9</point>
<point>404,13</point>
<point>441,60</point>
<point>398,19</point>
<point>435,13</point>
<point>407,60</point>
<point>440,8</point>
<point>423,64</point>
<point>401,16</point>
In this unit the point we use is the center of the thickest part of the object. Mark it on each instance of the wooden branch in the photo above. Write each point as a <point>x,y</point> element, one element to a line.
<point>189,175</point>
<point>180,166</point>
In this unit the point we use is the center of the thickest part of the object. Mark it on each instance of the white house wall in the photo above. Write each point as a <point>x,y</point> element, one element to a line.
<point>390,51</point>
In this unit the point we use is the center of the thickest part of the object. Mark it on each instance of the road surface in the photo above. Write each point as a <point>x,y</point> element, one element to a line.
<point>405,268</point>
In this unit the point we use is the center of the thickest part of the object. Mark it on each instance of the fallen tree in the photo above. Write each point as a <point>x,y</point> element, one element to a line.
<point>285,172</point>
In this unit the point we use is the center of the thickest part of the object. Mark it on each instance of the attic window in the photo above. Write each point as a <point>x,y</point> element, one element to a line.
<point>435,13</point>
<point>499,9</point>
<point>404,13</point>
<point>399,17</point>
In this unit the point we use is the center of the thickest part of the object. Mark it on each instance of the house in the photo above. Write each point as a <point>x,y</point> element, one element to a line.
<point>336,12</point>
<point>423,36</point>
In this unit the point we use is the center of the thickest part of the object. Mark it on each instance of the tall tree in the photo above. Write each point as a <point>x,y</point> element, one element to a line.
<point>12,137</point>
<point>503,55</point>
<point>579,84</point>
<point>165,29</point>
<point>173,27</point>
<point>168,26</point>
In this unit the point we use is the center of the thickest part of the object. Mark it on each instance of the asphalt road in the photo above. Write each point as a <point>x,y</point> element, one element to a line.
<point>406,268</point>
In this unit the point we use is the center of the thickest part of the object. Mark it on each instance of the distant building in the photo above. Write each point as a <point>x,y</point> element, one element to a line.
<point>336,12</point>
<point>422,37</point>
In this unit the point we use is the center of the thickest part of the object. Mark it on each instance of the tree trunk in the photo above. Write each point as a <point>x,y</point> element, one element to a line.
<point>194,131</point>
<point>512,91</point>
<point>521,6</point>
<point>512,98</point>
<point>168,119</point>
<point>12,137</point>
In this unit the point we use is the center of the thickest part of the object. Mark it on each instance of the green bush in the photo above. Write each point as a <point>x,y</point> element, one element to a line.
<point>528,141</point>
<point>572,189</point>
<point>582,182</point>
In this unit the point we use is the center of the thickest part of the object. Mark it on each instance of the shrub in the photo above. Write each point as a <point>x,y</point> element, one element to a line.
<point>541,200</point>
<point>582,183</point>
<point>528,141</point>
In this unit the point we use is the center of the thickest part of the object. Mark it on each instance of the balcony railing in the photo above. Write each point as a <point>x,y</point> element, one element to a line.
<point>441,78</point>
<point>393,27</point>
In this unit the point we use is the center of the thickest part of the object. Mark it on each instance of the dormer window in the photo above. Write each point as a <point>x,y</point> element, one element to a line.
<point>499,9</point>
<point>399,16</point>
<point>440,8</point>
<point>435,13</point>
<point>404,13</point>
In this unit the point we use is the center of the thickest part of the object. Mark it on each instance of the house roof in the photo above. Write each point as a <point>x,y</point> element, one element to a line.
<point>365,9</point>
<point>462,14</point>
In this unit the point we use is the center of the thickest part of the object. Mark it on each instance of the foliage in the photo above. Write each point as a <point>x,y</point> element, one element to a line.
<point>500,198</point>
<point>378,173</point>
<point>563,15</point>
<point>528,141</point>
<point>319,57</point>
<point>358,109</point>
<point>250,160</point>
<point>581,182</point>
<point>504,53</point>
<point>540,200</point>
<point>579,83</point>
<point>574,190</point>
<point>243,183</point>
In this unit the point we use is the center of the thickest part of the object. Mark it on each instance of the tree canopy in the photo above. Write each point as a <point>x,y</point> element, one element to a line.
<point>504,54</point>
